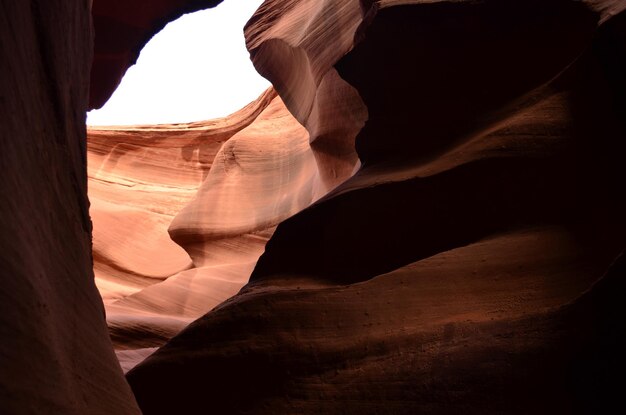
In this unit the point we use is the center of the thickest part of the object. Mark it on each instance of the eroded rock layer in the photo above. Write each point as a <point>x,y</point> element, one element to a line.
<point>182,212</point>
<point>140,178</point>
<point>466,266</point>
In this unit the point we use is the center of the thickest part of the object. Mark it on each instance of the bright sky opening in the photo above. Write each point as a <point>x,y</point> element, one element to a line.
<point>197,68</point>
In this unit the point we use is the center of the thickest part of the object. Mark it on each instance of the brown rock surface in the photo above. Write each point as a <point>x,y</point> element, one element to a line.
<point>467,266</point>
<point>460,269</point>
<point>55,354</point>
<point>219,187</point>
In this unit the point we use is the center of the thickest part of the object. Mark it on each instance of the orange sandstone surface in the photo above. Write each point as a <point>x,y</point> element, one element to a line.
<point>466,267</point>
<point>182,212</point>
<point>425,214</point>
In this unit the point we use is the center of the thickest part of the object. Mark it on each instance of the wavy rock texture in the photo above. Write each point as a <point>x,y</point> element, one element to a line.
<point>55,354</point>
<point>463,268</point>
<point>219,187</point>
<point>466,266</point>
<point>139,180</point>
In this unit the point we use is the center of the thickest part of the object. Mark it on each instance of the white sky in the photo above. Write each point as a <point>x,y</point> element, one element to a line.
<point>196,68</point>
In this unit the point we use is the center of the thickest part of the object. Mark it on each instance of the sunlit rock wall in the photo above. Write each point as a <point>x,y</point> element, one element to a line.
<point>182,212</point>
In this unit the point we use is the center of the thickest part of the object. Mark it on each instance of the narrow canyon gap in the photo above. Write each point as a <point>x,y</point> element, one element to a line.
<point>218,187</point>
<point>470,264</point>
<point>196,68</point>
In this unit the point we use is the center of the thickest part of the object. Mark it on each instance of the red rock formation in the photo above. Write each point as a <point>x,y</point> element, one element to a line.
<point>261,176</point>
<point>460,269</point>
<point>300,66</point>
<point>55,354</point>
<point>463,269</point>
<point>220,186</point>
<point>140,178</point>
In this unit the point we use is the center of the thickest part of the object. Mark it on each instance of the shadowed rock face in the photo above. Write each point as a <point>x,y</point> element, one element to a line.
<point>467,266</point>
<point>218,187</point>
<point>55,352</point>
<point>55,355</point>
<point>463,268</point>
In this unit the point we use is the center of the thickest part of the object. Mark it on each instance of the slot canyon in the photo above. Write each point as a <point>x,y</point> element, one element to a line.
<point>422,214</point>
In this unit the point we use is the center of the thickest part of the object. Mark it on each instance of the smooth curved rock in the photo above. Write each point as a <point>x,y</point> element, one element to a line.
<point>458,271</point>
<point>261,176</point>
<point>139,179</point>
<point>290,44</point>
<point>55,353</point>
<point>454,271</point>
<point>220,186</point>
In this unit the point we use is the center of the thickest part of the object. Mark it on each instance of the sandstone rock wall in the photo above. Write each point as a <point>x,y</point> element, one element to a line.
<point>55,354</point>
<point>218,187</point>
<point>467,267</point>
<point>460,270</point>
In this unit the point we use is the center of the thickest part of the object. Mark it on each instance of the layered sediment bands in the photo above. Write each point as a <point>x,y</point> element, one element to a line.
<point>289,44</point>
<point>461,268</point>
<point>465,268</point>
<point>55,353</point>
<point>140,178</point>
<point>218,187</point>
<point>262,175</point>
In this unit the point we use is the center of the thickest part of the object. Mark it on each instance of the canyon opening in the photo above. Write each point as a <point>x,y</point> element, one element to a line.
<point>151,149</point>
<point>423,213</point>
<point>197,68</point>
